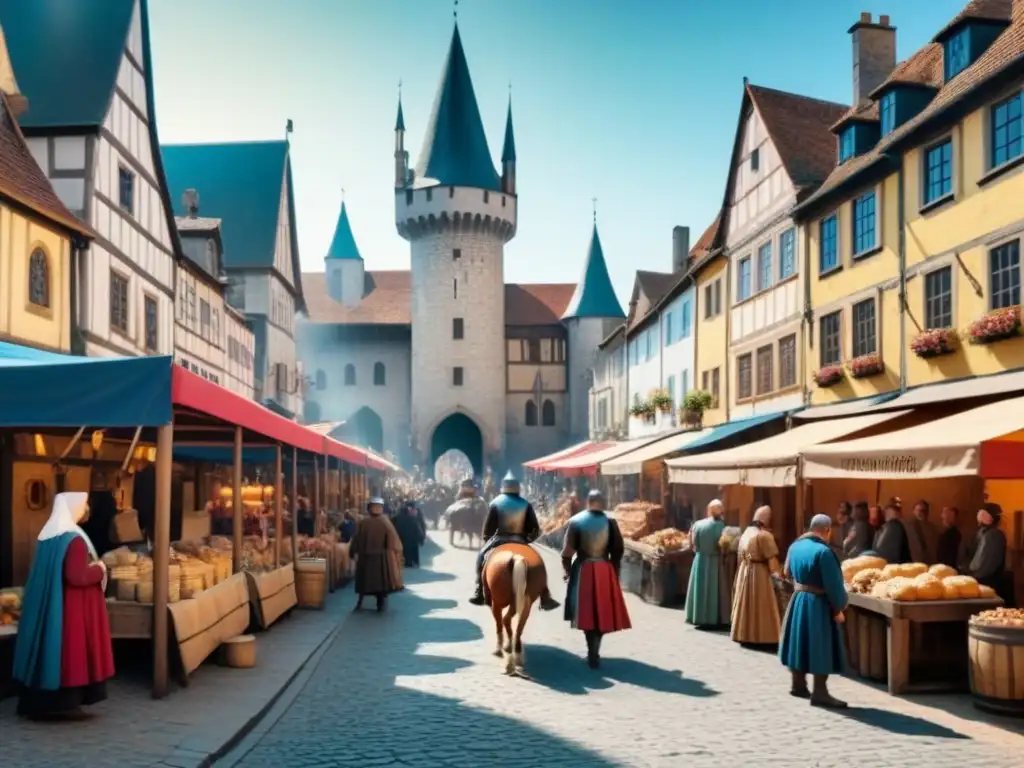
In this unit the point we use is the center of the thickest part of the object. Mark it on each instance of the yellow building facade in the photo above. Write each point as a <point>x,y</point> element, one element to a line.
<point>926,201</point>
<point>37,237</point>
<point>712,331</point>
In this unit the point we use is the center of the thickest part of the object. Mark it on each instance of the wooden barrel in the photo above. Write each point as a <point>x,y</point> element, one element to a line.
<point>310,583</point>
<point>997,668</point>
<point>239,652</point>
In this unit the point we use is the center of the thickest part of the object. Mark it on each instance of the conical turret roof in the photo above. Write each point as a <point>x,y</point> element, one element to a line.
<point>594,296</point>
<point>343,246</point>
<point>508,151</point>
<point>400,120</point>
<point>455,151</point>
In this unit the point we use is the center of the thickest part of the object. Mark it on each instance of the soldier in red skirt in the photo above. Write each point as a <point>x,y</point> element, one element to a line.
<point>591,556</point>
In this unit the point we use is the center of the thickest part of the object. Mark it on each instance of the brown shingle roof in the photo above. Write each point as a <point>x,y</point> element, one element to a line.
<point>655,284</point>
<point>23,181</point>
<point>1007,49</point>
<point>388,301</point>
<point>800,129</point>
<point>977,10</point>
<point>923,68</point>
<point>536,303</point>
<point>863,112</point>
<point>704,243</point>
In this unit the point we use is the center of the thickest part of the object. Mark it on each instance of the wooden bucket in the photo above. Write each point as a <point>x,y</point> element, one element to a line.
<point>310,583</point>
<point>997,668</point>
<point>239,652</point>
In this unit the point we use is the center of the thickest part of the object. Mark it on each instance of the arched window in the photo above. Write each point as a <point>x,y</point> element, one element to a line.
<point>350,375</point>
<point>531,413</point>
<point>321,380</point>
<point>380,377</point>
<point>547,416</point>
<point>39,279</point>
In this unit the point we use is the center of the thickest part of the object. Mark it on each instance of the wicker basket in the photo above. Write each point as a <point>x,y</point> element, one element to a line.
<point>144,592</point>
<point>125,590</point>
<point>124,573</point>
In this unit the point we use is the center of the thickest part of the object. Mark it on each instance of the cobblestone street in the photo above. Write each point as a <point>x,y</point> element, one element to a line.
<point>417,686</point>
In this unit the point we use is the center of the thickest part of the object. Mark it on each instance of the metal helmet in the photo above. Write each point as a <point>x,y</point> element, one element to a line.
<point>509,483</point>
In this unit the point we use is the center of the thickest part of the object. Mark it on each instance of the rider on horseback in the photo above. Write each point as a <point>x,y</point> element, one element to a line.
<point>510,519</point>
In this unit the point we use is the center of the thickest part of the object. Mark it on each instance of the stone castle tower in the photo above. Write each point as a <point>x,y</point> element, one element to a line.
<point>457,214</point>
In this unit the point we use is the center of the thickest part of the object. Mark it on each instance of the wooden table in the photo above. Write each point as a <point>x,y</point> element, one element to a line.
<point>898,617</point>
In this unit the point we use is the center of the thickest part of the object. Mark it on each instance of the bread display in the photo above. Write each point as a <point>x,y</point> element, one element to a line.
<point>667,540</point>
<point>910,581</point>
<point>1000,617</point>
<point>855,565</point>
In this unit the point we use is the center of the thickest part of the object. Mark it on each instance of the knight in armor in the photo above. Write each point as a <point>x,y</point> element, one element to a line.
<point>591,556</point>
<point>510,519</point>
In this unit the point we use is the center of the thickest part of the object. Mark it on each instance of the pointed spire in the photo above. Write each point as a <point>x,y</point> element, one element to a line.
<point>455,151</point>
<point>343,246</point>
<point>508,152</point>
<point>594,296</point>
<point>400,120</point>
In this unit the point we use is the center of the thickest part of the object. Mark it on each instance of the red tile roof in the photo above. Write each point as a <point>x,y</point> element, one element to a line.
<point>706,241</point>
<point>23,181</point>
<point>923,68</point>
<point>388,300</point>
<point>800,129</point>
<point>1006,50</point>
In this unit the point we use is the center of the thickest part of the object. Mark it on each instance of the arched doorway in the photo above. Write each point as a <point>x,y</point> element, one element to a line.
<point>364,427</point>
<point>458,432</point>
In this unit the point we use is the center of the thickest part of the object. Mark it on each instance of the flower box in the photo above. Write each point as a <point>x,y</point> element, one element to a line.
<point>866,366</point>
<point>996,326</point>
<point>661,401</point>
<point>829,376</point>
<point>934,343</point>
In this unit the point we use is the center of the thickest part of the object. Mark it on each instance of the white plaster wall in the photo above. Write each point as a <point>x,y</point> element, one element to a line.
<point>283,240</point>
<point>239,370</point>
<point>346,280</point>
<point>281,349</point>
<point>781,302</point>
<point>481,302</point>
<point>523,443</point>
<point>611,388</point>
<point>679,357</point>
<point>583,361</point>
<point>392,402</point>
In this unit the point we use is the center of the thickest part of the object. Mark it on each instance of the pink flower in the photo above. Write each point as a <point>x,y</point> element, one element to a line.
<point>999,324</point>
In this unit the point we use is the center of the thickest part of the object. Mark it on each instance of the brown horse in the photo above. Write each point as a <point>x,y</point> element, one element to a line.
<point>514,577</point>
<point>468,520</point>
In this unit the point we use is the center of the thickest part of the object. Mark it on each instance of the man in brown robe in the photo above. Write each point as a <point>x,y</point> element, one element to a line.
<point>378,552</point>
<point>923,535</point>
<point>755,611</point>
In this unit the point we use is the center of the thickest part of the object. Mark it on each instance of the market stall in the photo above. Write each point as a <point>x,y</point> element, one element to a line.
<point>910,618</point>
<point>538,463</point>
<point>148,404</point>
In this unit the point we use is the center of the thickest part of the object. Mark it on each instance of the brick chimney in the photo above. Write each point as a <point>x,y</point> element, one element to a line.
<point>874,54</point>
<point>680,248</point>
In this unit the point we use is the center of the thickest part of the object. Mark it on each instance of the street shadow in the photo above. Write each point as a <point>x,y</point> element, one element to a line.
<point>564,672</point>
<point>898,724</point>
<point>428,551</point>
<point>421,575</point>
<point>366,684</point>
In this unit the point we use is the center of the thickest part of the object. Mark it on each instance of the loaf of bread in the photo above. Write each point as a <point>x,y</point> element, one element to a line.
<point>941,570</point>
<point>855,565</point>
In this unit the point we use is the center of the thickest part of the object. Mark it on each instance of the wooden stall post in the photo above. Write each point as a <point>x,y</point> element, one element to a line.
<point>236,505</point>
<point>316,486</point>
<point>295,505</point>
<point>162,556</point>
<point>327,485</point>
<point>279,509</point>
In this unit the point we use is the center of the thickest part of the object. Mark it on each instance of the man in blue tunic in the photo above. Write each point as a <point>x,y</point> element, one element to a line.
<point>812,640</point>
<point>510,518</point>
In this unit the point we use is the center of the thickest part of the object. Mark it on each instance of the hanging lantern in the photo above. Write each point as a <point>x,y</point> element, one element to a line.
<point>97,440</point>
<point>151,454</point>
<point>40,444</point>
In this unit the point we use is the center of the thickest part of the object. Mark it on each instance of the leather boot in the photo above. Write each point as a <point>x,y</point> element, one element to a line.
<point>822,698</point>
<point>593,649</point>
<point>478,591</point>
<point>382,603</point>
<point>359,604</point>
<point>799,686</point>
<point>547,602</point>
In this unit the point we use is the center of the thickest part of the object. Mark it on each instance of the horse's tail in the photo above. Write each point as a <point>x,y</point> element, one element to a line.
<point>520,572</point>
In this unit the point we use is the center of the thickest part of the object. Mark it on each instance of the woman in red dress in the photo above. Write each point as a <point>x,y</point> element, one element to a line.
<point>63,657</point>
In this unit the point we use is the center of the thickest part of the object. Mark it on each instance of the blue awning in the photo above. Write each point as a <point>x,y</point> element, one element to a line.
<point>730,428</point>
<point>47,389</point>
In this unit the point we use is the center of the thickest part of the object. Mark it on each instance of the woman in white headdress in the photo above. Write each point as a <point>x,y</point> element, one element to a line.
<point>63,656</point>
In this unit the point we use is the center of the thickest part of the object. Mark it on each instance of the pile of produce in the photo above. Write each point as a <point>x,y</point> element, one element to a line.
<point>667,540</point>
<point>1000,617</point>
<point>639,518</point>
<point>855,565</point>
<point>910,581</point>
<point>730,539</point>
<point>560,518</point>
<point>10,606</point>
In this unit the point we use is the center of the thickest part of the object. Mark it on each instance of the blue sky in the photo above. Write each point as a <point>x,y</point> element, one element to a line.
<point>632,103</point>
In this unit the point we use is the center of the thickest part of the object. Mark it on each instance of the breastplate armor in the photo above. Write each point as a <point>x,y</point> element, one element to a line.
<point>511,514</point>
<point>593,535</point>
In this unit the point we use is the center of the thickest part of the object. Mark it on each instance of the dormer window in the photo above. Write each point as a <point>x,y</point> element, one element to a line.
<point>957,53</point>
<point>887,113</point>
<point>847,144</point>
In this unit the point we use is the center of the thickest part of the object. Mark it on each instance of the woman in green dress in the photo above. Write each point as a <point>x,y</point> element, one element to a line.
<point>702,605</point>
